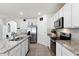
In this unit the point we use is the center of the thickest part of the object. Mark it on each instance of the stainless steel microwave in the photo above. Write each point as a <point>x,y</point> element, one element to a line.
<point>59,23</point>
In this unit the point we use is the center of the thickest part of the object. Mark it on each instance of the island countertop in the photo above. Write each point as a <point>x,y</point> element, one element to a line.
<point>71,45</point>
<point>7,46</point>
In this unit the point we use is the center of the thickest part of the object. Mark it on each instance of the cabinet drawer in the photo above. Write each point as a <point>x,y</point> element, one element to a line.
<point>66,52</point>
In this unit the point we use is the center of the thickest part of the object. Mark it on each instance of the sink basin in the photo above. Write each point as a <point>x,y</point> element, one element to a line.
<point>17,39</point>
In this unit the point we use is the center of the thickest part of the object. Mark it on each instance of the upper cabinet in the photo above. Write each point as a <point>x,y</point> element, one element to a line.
<point>67,15</point>
<point>61,12</point>
<point>52,22</point>
<point>56,16</point>
<point>75,15</point>
<point>70,12</point>
<point>65,12</point>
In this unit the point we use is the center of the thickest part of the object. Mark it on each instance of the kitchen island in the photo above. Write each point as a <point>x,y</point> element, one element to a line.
<point>15,48</point>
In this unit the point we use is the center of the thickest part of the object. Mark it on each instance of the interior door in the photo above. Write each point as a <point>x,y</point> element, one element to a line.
<point>42,32</point>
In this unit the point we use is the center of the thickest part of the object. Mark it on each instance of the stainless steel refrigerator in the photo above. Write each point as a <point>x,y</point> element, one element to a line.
<point>33,34</point>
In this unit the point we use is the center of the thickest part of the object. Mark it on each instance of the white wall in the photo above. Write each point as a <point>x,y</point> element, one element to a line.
<point>75,34</point>
<point>34,21</point>
<point>17,20</point>
<point>1,28</point>
<point>49,23</point>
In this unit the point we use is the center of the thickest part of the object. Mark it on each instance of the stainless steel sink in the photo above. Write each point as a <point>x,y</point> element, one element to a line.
<point>17,39</point>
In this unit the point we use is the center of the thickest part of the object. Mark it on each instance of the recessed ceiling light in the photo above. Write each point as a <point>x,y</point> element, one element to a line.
<point>39,13</point>
<point>21,13</point>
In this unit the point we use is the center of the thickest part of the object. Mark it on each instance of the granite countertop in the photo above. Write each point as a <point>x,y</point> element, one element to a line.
<point>71,45</point>
<point>11,44</point>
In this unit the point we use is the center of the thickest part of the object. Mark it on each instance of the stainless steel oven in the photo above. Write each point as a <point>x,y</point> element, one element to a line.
<point>63,36</point>
<point>53,46</point>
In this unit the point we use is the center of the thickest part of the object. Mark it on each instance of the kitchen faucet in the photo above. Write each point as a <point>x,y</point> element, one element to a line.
<point>13,34</point>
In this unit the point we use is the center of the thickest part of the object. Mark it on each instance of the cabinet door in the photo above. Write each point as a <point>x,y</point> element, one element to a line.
<point>75,15</point>
<point>26,46</point>
<point>58,49</point>
<point>66,52</point>
<point>61,13</point>
<point>57,16</point>
<point>52,22</point>
<point>13,52</point>
<point>5,54</point>
<point>67,15</point>
<point>23,48</point>
<point>16,51</point>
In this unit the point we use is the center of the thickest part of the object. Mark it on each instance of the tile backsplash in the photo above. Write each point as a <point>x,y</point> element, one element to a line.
<point>74,32</point>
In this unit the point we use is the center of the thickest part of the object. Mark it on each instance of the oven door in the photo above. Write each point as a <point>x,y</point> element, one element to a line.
<point>53,47</point>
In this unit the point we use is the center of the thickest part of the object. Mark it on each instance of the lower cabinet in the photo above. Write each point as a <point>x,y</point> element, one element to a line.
<point>66,52</point>
<point>58,49</point>
<point>5,54</point>
<point>23,48</point>
<point>26,46</point>
<point>15,51</point>
<point>62,51</point>
<point>19,50</point>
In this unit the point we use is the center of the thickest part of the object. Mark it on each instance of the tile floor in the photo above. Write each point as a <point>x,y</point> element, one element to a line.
<point>39,50</point>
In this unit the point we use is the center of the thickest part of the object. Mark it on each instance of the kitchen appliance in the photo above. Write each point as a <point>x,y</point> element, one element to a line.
<point>59,23</point>
<point>53,46</point>
<point>33,34</point>
<point>63,36</point>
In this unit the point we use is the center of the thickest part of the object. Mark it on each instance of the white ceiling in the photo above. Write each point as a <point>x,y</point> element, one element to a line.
<point>29,9</point>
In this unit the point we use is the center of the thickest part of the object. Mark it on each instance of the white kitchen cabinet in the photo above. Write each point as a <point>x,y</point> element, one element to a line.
<point>23,48</point>
<point>26,46</point>
<point>13,52</point>
<point>16,51</point>
<point>56,16</point>
<point>62,51</point>
<point>75,15</point>
<point>5,54</point>
<point>67,15</point>
<point>52,22</point>
<point>66,52</point>
<point>58,49</point>
<point>61,13</point>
